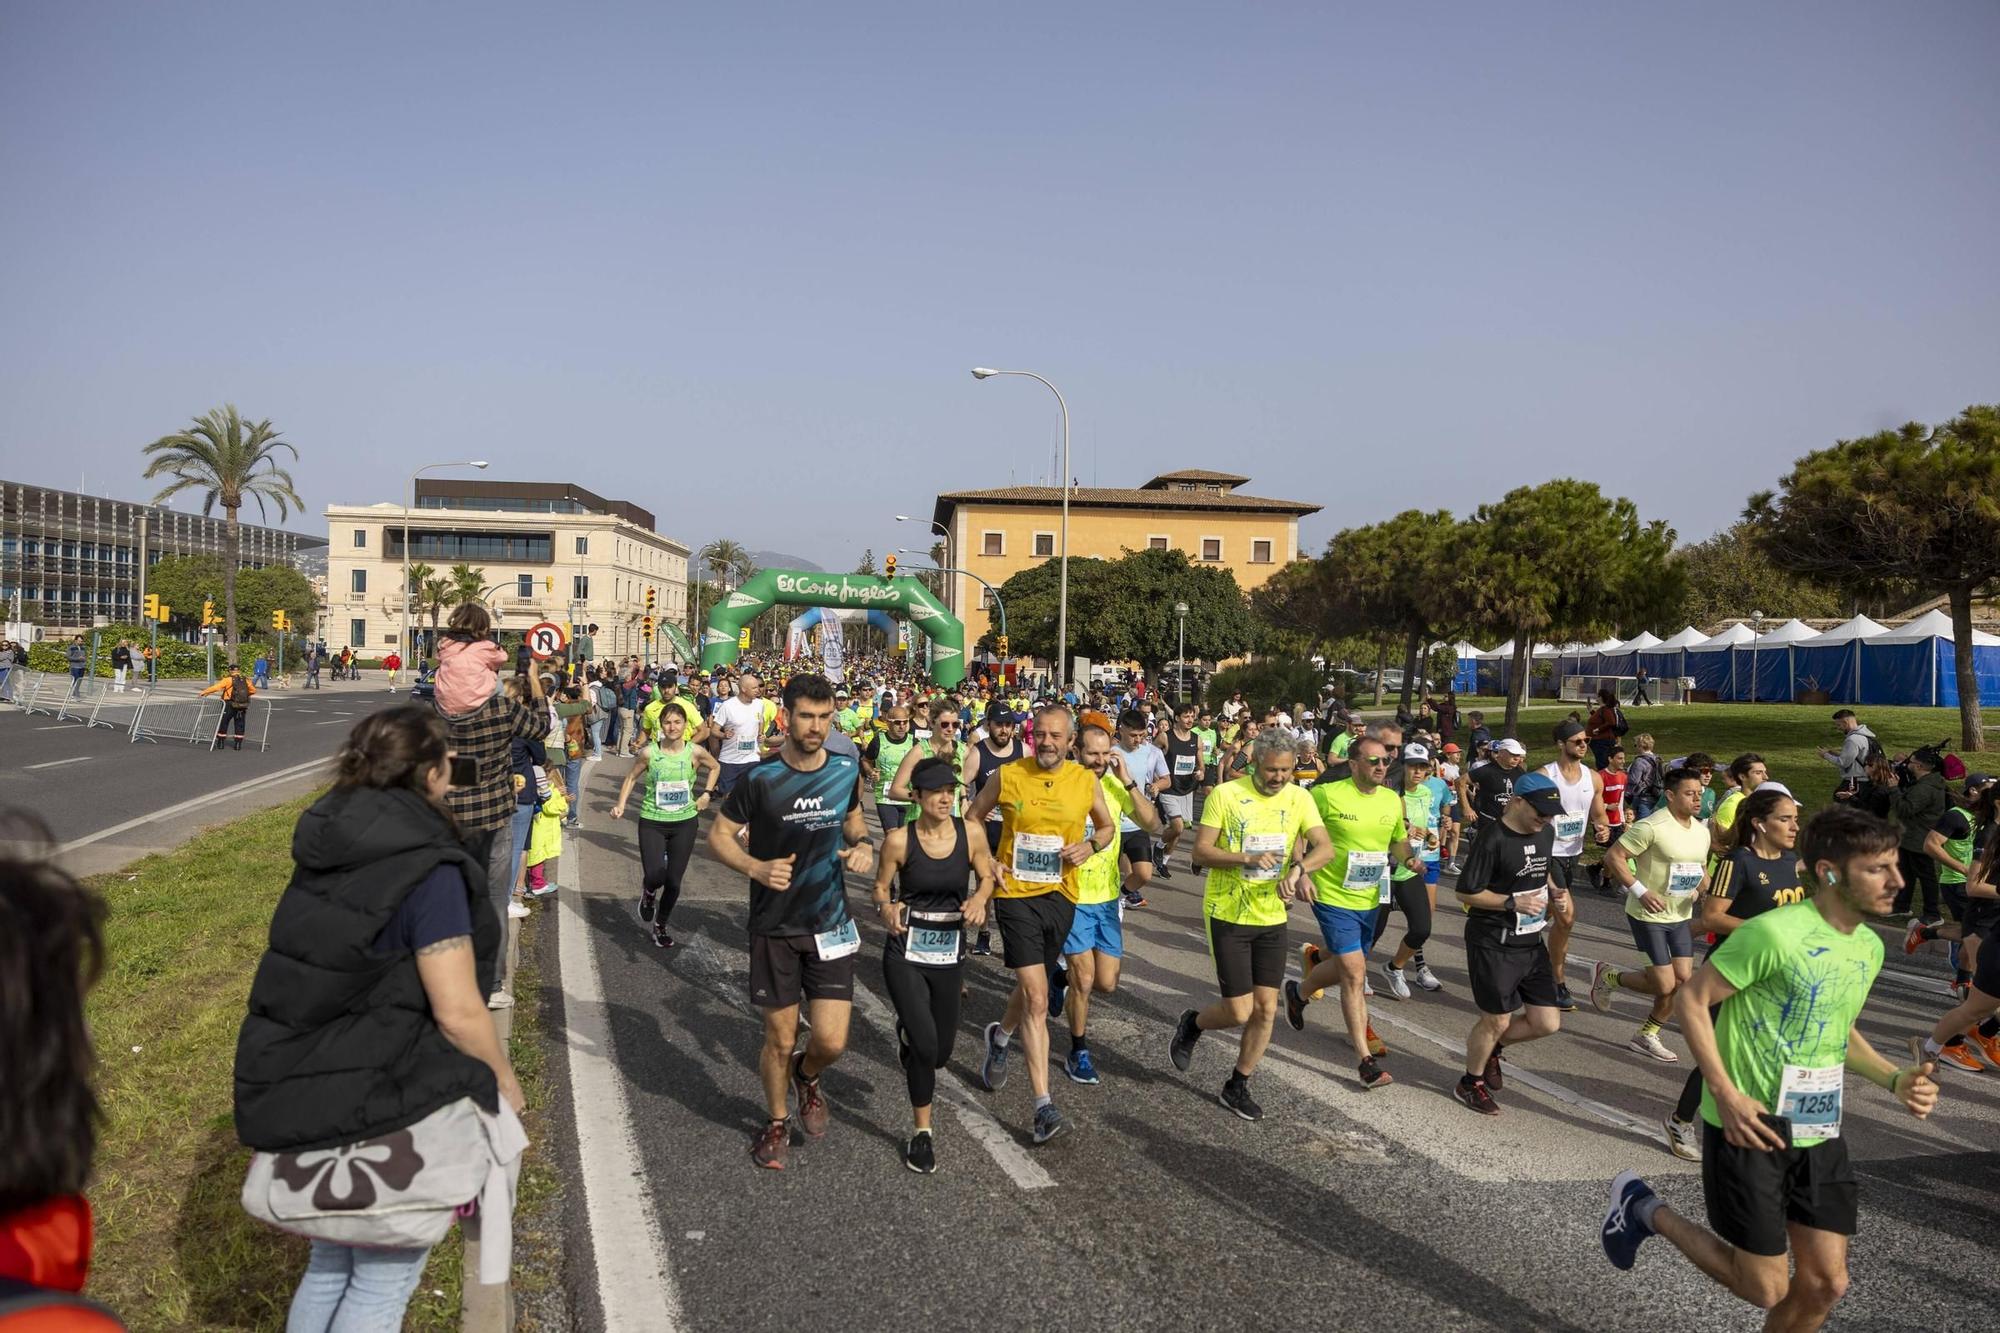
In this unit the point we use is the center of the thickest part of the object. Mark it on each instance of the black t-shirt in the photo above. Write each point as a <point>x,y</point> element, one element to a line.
<point>1753,886</point>
<point>1490,787</point>
<point>1503,861</point>
<point>439,908</point>
<point>1953,826</point>
<point>1183,754</point>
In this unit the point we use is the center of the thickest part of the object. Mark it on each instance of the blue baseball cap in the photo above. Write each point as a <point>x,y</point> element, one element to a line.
<point>1541,794</point>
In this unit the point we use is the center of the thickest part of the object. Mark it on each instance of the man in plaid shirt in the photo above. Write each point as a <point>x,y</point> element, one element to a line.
<point>485,811</point>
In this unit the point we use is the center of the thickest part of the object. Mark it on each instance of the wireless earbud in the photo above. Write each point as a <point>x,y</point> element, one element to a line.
<point>1831,878</point>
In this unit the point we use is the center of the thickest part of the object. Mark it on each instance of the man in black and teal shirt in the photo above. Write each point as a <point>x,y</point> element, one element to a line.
<point>802,808</point>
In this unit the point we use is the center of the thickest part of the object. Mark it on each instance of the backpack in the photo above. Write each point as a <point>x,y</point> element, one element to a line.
<point>1619,726</point>
<point>239,692</point>
<point>1875,754</point>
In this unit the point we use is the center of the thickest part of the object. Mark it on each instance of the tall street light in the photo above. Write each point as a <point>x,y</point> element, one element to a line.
<point>1180,663</point>
<point>951,602</point>
<point>1062,578</point>
<point>403,643</point>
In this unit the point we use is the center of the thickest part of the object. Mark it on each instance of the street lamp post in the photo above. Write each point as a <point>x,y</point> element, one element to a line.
<point>1757,632</point>
<point>1062,577</point>
<point>403,640</point>
<point>998,605</point>
<point>950,602</point>
<point>1180,662</point>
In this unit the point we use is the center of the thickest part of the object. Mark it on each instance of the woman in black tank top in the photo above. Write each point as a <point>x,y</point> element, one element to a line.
<point>926,921</point>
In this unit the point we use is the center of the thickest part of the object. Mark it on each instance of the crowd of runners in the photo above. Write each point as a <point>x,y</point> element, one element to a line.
<point>983,813</point>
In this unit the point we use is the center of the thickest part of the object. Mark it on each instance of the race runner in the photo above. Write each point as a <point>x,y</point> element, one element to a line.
<point>1506,889</point>
<point>802,809</point>
<point>1364,821</point>
<point>1184,753</point>
<point>1954,844</point>
<point>1659,863</point>
<point>1483,791</point>
<point>1248,842</point>
<point>1095,948</point>
<point>1424,812</point>
<point>1774,1170</point>
<point>883,759</point>
<point>1001,746</point>
<point>929,862</point>
<point>942,742</point>
<point>1758,872</point>
<point>669,809</point>
<point>1582,789</point>
<point>1972,1029</point>
<point>1148,767</point>
<point>739,721</point>
<point>1044,802</point>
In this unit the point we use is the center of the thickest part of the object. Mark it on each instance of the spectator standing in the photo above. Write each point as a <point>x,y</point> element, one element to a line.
<point>1604,726</point>
<point>1646,781</point>
<point>1858,746</point>
<point>79,663</point>
<point>121,665</point>
<point>1918,800</point>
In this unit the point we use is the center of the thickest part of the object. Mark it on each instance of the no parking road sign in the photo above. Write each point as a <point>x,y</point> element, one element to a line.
<point>546,639</point>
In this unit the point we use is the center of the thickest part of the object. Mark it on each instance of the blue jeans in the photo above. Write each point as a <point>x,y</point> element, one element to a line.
<point>517,835</point>
<point>354,1288</point>
<point>1641,807</point>
<point>597,738</point>
<point>573,774</point>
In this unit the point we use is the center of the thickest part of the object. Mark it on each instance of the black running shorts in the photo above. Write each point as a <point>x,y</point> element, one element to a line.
<point>1505,978</point>
<point>784,968</point>
<point>1246,957</point>
<point>1136,846</point>
<point>1032,930</point>
<point>1751,1195</point>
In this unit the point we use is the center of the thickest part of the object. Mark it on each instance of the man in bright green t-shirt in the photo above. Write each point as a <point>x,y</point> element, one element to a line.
<point>1095,948</point>
<point>1364,819</point>
<point>1249,841</point>
<point>1780,1191</point>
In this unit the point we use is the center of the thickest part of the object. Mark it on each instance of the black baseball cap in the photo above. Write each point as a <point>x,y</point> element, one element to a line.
<point>933,773</point>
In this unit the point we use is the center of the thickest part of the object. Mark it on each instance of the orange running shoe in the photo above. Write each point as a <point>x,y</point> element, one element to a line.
<point>1959,1055</point>
<point>1310,956</point>
<point>1376,1046</point>
<point>1986,1046</point>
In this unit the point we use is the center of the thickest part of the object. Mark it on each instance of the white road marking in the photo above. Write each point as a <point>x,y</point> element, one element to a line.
<point>1140,983</point>
<point>332,722</point>
<point>269,778</point>
<point>634,1276</point>
<point>60,726</point>
<point>57,763</point>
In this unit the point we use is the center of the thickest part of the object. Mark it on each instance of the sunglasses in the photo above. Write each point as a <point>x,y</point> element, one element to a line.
<point>945,726</point>
<point>1379,761</point>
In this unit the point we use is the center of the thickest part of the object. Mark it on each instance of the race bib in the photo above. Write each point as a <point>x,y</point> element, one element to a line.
<point>1683,878</point>
<point>1531,923</point>
<point>931,946</point>
<point>1568,827</point>
<point>1183,765</point>
<point>1810,1099</point>
<point>839,942</point>
<point>743,748</point>
<point>1038,858</point>
<point>1256,844</point>
<point>1367,870</point>
<point>671,794</point>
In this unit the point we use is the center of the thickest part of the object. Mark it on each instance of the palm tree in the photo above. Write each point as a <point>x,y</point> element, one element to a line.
<point>464,584</point>
<point>430,589</point>
<point>727,561</point>
<point>228,459</point>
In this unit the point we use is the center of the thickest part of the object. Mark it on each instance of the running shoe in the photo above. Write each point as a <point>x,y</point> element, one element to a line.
<point>1367,987</point>
<point>1913,938</point>
<point>646,899</point>
<point>1078,1066</point>
<point>1495,1078</point>
<point>1376,1046</point>
<point>982,944</point>
<point>1397,986</point>
<point>546,891</point>
<point>1235,1095</point>
<point>1160,870</point>
<point>1295,1006</point>
<point>1310,957</point>
<point>1564,1000</point>
<point>1603,980</point>
<point>1683,1137</point>
<point>919,1154</point>
<point>1058,989</point>
<point>1373,1075</point>
<point>662,940</point>
<point>813,1113</point>
<point>1958,988</point>
<point>771,1145</point>
<point>1649,1044</point>
<point>1623,1232</point>
<point>1989,1047</point>
<point>1474,1094</point>
<point>517,909</point>
<point>1958,1054</point>
<point>1180,1047</point>
<point>993,1069</point>
<point>499,1000</point>
<point>1049,1122</point>
<point>1134,899</point>
<point>1427,978</point>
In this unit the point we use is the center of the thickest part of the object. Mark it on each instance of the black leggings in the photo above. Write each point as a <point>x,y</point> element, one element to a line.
<point>664,848</point>
<point>1413,900</point>
<point>926,1000</point>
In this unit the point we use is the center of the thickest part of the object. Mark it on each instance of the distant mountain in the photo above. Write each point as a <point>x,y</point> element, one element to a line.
<point>699,570</point>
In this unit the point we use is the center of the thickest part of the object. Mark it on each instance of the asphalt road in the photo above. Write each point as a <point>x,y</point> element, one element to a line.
<point>1342,1208</point>
<point>109,800</point>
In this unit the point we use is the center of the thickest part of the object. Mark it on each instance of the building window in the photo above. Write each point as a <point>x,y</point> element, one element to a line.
<point>524,585</point>
<point>986,601</point>
<point>357,633</point>
<point>579,587</point>
<point>357,581</point>
<point>1260,552</point>
<point>360,538</point>
<point>1045,544</point>
<point>583,546</point>
<point>1156,542</point>
<point>992,543</point>
<point>1211,548</point>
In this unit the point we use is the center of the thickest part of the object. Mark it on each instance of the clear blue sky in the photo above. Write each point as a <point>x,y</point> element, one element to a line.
<point>732,261</point>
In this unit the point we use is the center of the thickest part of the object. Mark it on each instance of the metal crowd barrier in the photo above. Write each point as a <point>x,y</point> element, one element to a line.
<point>43,692</point>
<point>81,699</point>
<point>193,721</point>
<point>118,708</point>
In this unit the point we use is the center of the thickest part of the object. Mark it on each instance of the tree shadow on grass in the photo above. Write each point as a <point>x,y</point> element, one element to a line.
<point>238,1273</point>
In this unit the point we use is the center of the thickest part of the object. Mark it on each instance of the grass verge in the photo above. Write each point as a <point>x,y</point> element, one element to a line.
<point>175,1249</point>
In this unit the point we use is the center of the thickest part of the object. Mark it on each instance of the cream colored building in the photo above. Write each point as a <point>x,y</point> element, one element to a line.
<point>546,551</point>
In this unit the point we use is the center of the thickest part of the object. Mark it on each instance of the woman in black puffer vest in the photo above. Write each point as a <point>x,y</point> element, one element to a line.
<point>368,1010</point>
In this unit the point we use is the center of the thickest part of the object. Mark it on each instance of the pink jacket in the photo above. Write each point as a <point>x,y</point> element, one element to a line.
<point>467,673</point>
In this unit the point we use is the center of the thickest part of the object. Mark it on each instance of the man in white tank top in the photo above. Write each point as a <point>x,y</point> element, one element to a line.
<point>1583,803</point>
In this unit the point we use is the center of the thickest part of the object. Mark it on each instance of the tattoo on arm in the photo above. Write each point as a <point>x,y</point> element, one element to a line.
<point>446,945</point>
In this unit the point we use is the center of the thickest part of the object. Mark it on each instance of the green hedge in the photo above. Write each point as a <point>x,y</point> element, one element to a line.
<point>178,661</point>
<point>1283,681</point>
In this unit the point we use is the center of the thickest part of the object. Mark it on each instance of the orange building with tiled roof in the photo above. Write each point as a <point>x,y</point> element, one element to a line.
<point>997,533</point>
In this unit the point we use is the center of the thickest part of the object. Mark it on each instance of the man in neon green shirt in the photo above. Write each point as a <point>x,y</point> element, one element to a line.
<point>1095,948</point>
<point>1787,986</point>
<point>1364,820</point>
<point>1249,843</point>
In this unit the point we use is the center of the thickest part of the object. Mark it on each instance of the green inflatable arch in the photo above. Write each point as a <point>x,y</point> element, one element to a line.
<point>860,592</point>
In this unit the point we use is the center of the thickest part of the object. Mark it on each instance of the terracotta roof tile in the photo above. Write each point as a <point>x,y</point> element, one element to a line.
<point>1118,497</point>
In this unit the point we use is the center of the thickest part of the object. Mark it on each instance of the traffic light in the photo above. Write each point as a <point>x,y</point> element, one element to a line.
<point>648,623</point>
<point>549,582</point>
<point>651,593</point>
<point>208,616</point>
<point>1000,646</point>
<point>889,567</point>
<point>152,606</point>
<point>280,621</point>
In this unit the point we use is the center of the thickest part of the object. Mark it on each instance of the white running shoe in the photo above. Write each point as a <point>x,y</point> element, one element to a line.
<point>1650,1045</point>
<point>1397,986</point>
<point>1684,1137</point>
<point>499,1000</point>
<point>1427,978</point>
<point>517,909</point>
<point>1367,986</point>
